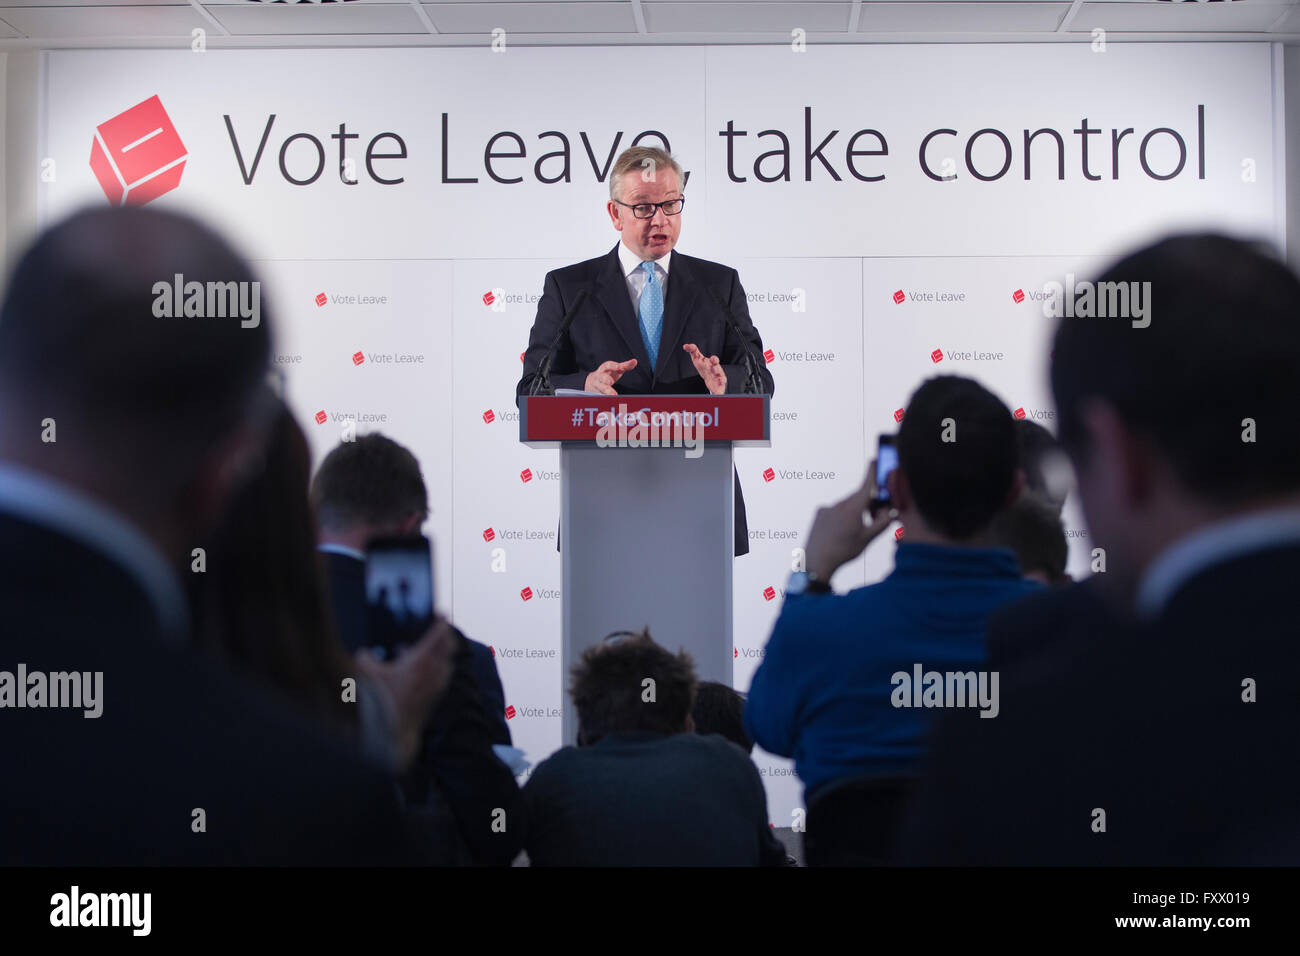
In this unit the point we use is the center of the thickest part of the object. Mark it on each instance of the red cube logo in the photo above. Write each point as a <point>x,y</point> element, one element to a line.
<point>1019,413</point>
<point>488,534</point>
<point>898,535</point>
<point>320,417</point>
<point>493,650</point>
<point>526,475</point>
<point>526,594</point>
<point>521,356</point>
<point>137,155</point>
<point>769,475</point>
<point>488,298</point>
<point>489,416</point>
<point>899,297</point>
<point>510,712</point>
<point>936,356</point>
<point>358,358</point>
<point>898,414</point>
<point>769,592</point>
<point>769,356</point>
<point>1018,296</point>
<point>735,652</point>
<point>321,298</point>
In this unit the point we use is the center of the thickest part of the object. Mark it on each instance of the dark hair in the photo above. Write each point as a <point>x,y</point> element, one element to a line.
<point>372,480</point>
<point>261,603</point>
<point>1033,529</point>
<point>1222,345</point>
<point>80,339</point>
<point>719,709</point>
<point>608,688</point>
<point>958,484</point>
<point>1038,447</point>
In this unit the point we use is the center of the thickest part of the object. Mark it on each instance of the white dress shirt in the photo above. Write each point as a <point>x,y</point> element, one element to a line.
<point>635,276</point>
<point>1213,544</point>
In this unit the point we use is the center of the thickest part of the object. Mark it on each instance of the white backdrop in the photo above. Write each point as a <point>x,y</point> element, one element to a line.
<point>821,254</point>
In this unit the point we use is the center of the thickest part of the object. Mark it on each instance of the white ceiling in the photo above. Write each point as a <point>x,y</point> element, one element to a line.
<point>245,23</point>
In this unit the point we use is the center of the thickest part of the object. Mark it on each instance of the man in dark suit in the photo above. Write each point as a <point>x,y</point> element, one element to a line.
<point>124,429</point>
<point>370,488</point>
<point>651,320</point>
<point>1165,742</point>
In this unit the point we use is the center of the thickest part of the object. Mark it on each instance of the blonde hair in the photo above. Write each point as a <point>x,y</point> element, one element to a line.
<point>642,159</point>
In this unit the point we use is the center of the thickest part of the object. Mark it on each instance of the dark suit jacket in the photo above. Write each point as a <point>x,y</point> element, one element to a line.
<point>606,329</point>
<point>1042,635</point>
<point>346,579</point>
<point>456,771</point>
<point>176,733</point>
<point>1148,725</point>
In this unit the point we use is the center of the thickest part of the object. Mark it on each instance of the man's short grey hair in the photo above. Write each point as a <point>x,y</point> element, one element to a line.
<point>647,160</point>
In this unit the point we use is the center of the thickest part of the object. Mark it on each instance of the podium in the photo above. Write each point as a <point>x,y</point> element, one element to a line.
<point>647,515</point>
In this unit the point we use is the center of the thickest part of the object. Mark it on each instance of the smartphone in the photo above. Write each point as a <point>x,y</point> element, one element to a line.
<point>399,593</point>
<point>886,461</point>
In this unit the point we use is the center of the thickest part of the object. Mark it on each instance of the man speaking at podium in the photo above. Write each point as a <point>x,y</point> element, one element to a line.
<point>642,320</point>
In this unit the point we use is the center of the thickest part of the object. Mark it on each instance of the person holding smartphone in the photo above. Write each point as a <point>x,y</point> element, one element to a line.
<point>825,692</point>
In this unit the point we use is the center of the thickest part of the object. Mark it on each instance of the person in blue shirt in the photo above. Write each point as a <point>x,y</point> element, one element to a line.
<point>849,682</point>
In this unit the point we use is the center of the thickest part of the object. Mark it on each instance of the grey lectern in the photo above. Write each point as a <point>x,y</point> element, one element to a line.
<point>646,517</point>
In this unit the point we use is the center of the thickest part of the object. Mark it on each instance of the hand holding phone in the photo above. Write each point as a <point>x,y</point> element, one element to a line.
<point>882,466</point>
<point>399,592</point>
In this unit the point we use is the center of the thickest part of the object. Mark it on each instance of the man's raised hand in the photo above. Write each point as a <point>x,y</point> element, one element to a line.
<point>710,369</point>
<point>602,380</point>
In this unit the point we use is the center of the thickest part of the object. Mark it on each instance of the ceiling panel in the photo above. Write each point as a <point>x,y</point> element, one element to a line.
<point>1175,17</point>
<point>745,16</point>
<point>1017,16</point>
<point>101,21</point>
<point>539,16</point>
<point>252,19</point>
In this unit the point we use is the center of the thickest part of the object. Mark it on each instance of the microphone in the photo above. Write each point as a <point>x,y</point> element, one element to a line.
<point>753,382</point>
<point>542,380</point>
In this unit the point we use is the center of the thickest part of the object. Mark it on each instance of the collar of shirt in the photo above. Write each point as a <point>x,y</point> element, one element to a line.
<point>1211,545</point>
<point>631,263</point>
<point>342,549</point>
<point>43,500</point>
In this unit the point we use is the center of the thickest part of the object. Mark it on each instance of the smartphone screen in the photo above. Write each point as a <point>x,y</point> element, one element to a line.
<point>886,461</point>
<point>399,592</point>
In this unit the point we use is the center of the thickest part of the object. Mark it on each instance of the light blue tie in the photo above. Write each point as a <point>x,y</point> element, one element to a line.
<point>652,312</point>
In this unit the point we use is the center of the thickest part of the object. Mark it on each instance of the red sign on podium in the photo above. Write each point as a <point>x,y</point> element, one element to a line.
<point>643,420</point>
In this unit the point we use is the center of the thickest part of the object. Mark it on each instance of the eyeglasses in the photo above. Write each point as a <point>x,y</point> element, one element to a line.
<point>646,210</point>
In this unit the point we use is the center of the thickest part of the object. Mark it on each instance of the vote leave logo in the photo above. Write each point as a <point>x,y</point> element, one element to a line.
<point>769,593</point>
<point>1018,296</point>
<point>899,297</point>
<point>936,356</point>
<point>137,155</point>
<point>898,414</point>
<point>488,534</point>
<point>1018,413</point>
<point>769,474</point>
